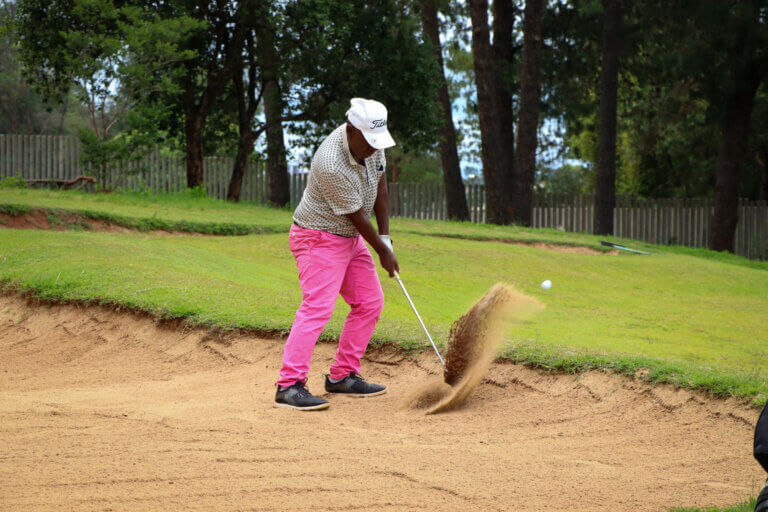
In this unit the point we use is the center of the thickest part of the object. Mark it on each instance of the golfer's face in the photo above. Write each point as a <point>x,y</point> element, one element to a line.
<point>369,150</point>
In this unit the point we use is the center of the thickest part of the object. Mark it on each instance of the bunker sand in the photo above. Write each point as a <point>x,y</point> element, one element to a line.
<point>101,410</point>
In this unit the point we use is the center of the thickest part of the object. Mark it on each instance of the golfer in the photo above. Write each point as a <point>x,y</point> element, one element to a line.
<point>346,184</point>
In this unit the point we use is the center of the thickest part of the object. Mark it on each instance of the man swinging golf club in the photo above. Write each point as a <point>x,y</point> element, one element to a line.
<point>346,184</point>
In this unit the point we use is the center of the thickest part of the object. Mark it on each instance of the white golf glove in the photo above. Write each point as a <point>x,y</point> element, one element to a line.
<point>387,241</point>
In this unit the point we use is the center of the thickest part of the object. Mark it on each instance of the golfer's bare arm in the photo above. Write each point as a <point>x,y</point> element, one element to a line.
<point>365,228</point>
<point>381,206</point>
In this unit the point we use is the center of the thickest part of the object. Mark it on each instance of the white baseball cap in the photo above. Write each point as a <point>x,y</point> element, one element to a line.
<point>370,117</point>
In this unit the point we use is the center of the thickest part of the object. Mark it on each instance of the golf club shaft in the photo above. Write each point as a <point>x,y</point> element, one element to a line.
<point>397,276</point>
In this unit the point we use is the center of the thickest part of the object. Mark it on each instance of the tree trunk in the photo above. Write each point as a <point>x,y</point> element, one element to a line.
<point>525,156</point>
<point>247,103</point>
<point>762,162</point>
<point>498,208</point>
<point>454,186</point>
<point>244,148</point>
<point>732,150</point>
<point>278,187</point>
<point>605,171</point>
<point>278,193</point>
<point>193,124</point>
<point>503,55</point>
<point>200,99</point>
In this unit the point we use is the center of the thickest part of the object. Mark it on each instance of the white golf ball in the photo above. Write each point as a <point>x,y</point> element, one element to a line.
<point>546,284</point>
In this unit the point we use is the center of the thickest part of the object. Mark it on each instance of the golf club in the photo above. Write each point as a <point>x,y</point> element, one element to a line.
<point>397,276</point>
<point>622,247</point>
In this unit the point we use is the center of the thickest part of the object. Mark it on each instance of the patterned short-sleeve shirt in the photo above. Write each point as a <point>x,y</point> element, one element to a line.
<point>338,185</point>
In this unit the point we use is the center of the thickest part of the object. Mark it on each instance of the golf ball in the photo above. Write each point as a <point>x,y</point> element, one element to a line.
<point>546,284</point>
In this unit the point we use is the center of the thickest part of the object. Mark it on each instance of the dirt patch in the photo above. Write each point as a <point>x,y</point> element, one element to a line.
<point>62,220</point>
<point>574,249</point>
<point>566,248</point>
<point>106,410</point>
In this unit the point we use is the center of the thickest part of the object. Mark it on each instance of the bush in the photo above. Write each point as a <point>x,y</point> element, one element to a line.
<point>197,192</point>
<point>12,182</point>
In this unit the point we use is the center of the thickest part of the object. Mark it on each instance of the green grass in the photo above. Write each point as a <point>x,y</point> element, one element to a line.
<point>490,232</point>
<point>690,321</point>
<point>180,212</point>
<point>186,212</point>
<point>14,209</point>
<point>748,506</point>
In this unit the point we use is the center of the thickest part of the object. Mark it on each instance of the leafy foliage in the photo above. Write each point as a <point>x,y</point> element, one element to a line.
<point>359,49</point>
<point>12,182</point>
<point>671,89</point>
<point>110,54</point>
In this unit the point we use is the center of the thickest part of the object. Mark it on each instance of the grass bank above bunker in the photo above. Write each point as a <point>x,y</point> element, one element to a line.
<point>670,318</point>
<point>187,212</point>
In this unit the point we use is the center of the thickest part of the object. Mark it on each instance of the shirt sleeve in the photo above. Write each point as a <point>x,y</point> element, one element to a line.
<point>341,194</point>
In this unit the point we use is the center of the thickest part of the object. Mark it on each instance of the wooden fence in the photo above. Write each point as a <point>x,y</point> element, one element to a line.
<point>663,221</point>
<point>660,221</point>
<point>57,157</point>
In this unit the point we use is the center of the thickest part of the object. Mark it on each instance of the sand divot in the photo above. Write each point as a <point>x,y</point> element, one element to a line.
<point>473,342</point>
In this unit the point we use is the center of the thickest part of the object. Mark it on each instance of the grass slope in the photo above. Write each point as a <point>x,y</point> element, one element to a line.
<point>691,321</point>
<point>182,211</point>
<point>187,212</point>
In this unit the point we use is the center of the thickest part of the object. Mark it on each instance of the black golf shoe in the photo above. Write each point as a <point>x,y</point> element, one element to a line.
<point>298,397</point>
<point>762,500</point>
<point>354,385</point>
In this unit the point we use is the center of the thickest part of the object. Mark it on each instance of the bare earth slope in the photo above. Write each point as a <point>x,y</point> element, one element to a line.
<point>101,410</point>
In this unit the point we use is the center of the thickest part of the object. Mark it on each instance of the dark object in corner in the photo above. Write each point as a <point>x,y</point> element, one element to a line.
<point>761,454</point>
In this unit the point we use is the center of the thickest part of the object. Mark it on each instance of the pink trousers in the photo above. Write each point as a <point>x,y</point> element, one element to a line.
<point>329,265</point>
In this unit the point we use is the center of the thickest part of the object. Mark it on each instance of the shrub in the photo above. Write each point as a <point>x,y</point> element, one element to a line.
<point>12,182</point>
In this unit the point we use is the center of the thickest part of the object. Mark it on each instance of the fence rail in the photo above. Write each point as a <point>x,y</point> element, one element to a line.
<point>662,221</point>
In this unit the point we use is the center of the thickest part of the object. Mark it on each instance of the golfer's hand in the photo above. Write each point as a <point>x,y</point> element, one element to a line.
<point>389,262</point>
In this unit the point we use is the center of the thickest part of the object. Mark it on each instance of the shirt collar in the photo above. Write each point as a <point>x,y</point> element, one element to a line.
<point>345,142</point>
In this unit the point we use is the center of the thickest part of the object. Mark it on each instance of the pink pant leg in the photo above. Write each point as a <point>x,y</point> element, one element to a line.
<point>322,260</point>
<point>362,291</point>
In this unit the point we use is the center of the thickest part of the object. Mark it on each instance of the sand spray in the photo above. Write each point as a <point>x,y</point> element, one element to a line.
<point>473,343</point>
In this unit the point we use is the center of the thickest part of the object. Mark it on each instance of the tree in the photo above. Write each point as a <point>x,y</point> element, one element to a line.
<point>525,154</point>
<point>22,109</point>
<point>456,201</point>
<point>218,50</point>
<point>248,99</point>
<point>605,176</point>
<point>756,184</point>
<point>506,86</point>
<point>110,54</point>
<point>333,51</point>
<point>493,106</point>
<point>742,73</point>
<point>278,193</point>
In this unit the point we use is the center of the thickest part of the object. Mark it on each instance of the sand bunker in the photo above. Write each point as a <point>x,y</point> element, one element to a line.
<point>108,411</point>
